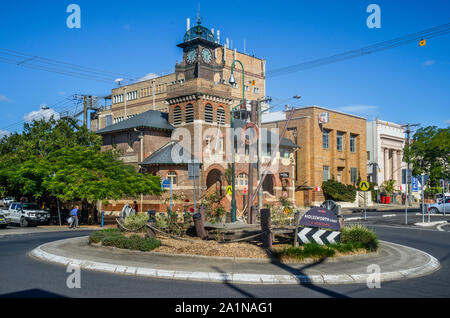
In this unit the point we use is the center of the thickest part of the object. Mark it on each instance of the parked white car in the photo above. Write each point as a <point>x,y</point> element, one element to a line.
<point>25,214</point>
<point>439,207</point>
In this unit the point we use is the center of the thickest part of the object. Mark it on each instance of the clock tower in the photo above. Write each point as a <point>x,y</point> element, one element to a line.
<point>198,54</point>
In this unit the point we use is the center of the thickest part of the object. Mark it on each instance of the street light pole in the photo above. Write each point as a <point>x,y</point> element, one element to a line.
<point>233,194</point>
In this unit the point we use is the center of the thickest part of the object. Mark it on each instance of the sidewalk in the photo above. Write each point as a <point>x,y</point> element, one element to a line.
<point>380,208</point>
<point>46,229</point>
<point>395,261</point>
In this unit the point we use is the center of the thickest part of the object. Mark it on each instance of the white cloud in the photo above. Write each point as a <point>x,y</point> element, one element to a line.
<point>447,121</point>
<point>4,133</point>
<point>428,62</point>
<point>43,113</point>
<point>147,77</point>
<point>363,110</point>
<point>4,99</point>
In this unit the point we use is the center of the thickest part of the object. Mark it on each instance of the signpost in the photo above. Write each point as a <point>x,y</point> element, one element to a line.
<point>442,182</point>
<point>167,183</point>
<point>364,186</point>
<point>194,173</point>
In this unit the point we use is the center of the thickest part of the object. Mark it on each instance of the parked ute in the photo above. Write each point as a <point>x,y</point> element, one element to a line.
<point>4,219</point>
<point>25,214</point>
<point>439,207</point>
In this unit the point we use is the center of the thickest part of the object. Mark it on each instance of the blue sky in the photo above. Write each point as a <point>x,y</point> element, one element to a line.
<point>404,84</point>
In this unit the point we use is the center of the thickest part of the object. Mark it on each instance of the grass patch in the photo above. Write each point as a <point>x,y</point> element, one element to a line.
<point>112,237</point>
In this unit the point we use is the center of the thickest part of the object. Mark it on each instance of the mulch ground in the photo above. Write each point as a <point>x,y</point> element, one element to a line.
<point>196,246</point>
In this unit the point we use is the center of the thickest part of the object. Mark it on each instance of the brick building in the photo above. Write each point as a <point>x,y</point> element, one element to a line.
<point>333,144</point>
<point>190,115</point>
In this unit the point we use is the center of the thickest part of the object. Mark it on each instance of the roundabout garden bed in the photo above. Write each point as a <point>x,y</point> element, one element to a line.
<point>355,240</point>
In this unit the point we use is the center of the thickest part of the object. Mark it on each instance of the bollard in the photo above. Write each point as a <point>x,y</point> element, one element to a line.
<point>254,213</point>
<point>297,221</point>
<point>151,232</point>
<point>199,227</point>
<point>341,221</point>
<point>151,215</point>
<point>202,213</point>
<point>266,226</point>
<point>228,217</point>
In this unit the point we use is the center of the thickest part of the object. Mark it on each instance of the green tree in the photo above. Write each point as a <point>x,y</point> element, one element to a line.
<point>59,159</point>
<point>429,152</point>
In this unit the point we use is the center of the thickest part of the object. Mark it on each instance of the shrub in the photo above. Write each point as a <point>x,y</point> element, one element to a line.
<point>112,237</point>
<point>136,221</point>
<point>169,223</point>
<point>309,250</point>
<point>97,236</point>
<point>359,235</point>
<point>334,190</point>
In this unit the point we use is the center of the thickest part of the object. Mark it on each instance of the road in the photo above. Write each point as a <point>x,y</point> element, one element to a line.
<point>23,276</point>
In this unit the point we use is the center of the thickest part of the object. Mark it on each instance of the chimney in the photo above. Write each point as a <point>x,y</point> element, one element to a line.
<point>218,36</point>
<point>188,24</point>
<point>227,45</point>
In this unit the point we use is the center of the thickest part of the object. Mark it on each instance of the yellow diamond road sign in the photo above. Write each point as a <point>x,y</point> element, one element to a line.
<point>230,190</point>
<point>364,185</point>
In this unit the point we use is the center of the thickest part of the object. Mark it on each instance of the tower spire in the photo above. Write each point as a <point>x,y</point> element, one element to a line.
<point>199,18</point>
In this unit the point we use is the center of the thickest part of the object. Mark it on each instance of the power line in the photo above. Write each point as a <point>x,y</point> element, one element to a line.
<point>63,104</point>
<point>413,37</point>
<point>51,65</point>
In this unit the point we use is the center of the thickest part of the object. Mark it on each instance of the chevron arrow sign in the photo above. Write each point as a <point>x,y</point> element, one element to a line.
<point>308,234</point>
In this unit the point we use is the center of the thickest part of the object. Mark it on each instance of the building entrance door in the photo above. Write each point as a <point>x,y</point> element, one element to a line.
<point>340,173</point>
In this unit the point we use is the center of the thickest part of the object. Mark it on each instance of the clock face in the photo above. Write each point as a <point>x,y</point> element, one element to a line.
<point>191,55</point>
<point>206,55</point>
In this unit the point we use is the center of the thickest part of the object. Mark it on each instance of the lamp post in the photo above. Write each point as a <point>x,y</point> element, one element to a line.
<point>232,81</point>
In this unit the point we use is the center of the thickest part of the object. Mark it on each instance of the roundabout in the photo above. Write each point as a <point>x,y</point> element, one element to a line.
<point>32,277</point>
<point>396,262</point>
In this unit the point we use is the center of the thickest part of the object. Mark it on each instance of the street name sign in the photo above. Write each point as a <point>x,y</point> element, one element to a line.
<point>165,184</point>
<point>322,218</point>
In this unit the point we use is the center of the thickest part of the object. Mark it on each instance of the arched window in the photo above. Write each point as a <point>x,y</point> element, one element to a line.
<point>208,113</point>
<point>189,113</point>
<point>220,115</point>
<point>172,176</point>
<point>242,180</point>
<point>177,115</point>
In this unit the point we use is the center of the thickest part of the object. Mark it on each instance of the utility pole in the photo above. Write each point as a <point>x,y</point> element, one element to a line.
<point>408,190</point>
<point>258,165</point>
<point>408,181</point>
<point>85,110</point>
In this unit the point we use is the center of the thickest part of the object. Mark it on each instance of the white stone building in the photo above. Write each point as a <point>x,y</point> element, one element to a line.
<point>385,142</point>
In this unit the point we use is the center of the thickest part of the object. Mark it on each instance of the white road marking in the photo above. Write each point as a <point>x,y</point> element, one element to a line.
<point>439,227</point>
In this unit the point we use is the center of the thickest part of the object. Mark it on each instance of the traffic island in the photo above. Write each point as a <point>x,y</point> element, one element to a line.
<point>395,261</point>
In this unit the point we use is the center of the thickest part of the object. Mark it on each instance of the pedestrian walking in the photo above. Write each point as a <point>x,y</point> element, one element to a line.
<point>74,217</point>
<point>135,206</point>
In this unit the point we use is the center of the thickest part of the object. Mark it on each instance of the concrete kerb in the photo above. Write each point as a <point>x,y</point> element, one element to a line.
<point>427,268</point>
